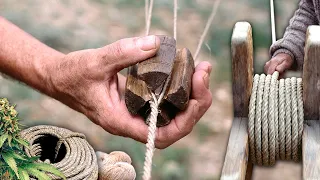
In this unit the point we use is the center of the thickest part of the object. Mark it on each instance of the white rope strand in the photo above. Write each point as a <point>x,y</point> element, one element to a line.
<point>273,24</point>
<point>152,119</point>
<point>149,15</point>
<point>146,12</point>
<point>207,27</point>
<point>175,17</point>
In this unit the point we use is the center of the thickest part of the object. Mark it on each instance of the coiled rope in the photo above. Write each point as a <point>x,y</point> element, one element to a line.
<point>74,156</point>
<point>275,119</point>
<point>79,161</point>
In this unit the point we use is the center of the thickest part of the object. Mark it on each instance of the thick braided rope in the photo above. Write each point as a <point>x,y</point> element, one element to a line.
<point>275,119</point>
<point>80,161</point>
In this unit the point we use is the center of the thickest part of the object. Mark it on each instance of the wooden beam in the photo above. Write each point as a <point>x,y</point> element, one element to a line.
<point>236,161</point>
<point>311,150</point>
<point>311,74</point>
<point>311,97</point>
<point>242,68</point>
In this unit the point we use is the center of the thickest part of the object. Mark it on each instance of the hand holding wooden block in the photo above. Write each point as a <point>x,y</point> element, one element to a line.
<point>151,75</point>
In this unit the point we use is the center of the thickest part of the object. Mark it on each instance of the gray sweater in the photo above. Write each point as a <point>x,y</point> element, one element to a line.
<point>293,40</point>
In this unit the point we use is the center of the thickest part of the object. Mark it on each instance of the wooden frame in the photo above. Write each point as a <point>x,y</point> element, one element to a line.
<point>311,97</point>
<point>237,165</point>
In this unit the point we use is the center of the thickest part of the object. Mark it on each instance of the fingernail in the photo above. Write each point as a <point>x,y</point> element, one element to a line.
<point>206,80</point>
<point>147,43</point>
<point>209,70</point>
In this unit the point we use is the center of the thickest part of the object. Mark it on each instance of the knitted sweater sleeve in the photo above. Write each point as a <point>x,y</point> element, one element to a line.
<point>294,37</point>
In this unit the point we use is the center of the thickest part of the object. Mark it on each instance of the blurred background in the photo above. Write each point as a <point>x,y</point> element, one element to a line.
<point>69,25</point>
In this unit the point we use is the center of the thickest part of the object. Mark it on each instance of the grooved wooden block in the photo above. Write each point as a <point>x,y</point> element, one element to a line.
<point>155,71</point>
<point>176,98</point>
<point>181,79</point>
<point>136,94</point>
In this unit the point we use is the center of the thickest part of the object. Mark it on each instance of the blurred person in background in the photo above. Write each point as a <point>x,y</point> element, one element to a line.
<point>288,52</point>
<point>88,81</point>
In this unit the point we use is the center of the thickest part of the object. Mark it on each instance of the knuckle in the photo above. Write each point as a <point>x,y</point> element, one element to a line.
<point>118,50</point>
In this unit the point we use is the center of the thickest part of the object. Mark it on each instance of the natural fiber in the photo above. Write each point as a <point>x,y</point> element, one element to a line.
<point>79,161</point>
<point>275,119</point>
<point>115,166</point>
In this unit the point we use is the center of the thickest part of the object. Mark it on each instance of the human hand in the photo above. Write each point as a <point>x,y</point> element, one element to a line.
<point>87,81</point>
<point>281,62</point>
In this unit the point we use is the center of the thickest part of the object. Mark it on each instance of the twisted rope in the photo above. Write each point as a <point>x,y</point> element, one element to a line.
<point>275,119</point>
<point>79,162</point>
<point>154,103</point>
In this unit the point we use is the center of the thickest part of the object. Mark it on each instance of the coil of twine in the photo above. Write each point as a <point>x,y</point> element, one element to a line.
<point>67,151</point>
<point>275,119</point>
<point>74,157</point>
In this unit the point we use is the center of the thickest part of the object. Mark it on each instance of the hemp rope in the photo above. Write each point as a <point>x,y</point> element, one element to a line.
<point>154,103</point>
<point>80,161</point>
<point>275,119</point>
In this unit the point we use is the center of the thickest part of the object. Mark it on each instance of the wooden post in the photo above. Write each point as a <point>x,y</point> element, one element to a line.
<point>311,97</point>
<point>236,164</point>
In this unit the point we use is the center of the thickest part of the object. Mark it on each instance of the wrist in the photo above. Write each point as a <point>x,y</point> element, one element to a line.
<point>44,68</point>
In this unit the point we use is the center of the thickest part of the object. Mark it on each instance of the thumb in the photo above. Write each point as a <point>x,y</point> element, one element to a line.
<point>127,52</point>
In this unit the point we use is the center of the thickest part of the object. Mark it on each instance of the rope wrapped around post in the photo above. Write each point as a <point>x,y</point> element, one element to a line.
<point>275,119</point>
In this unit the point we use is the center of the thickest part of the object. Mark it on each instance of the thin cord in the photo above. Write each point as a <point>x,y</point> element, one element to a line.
<point>149,16</point>
<point>205,32</point>
<point>273,24</point>
<point>146,9</point>
<point>175,12</point>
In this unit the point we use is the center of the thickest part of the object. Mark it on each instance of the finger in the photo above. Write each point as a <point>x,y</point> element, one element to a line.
<point>283,67</point>
<point>120,122</point>
<point>200,88</point>
<point>179,127</point>
<point>272,66</point>
<point>121,84</point>
<point>126,52</point>
<point>204,66</point>
<point>266,67</point>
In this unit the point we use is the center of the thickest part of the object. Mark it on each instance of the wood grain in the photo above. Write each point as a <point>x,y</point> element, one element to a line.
<point>180,85</point>
<point>242,68</point>
<point>311,95</point>
<point>155,71</point>
<point>236,165</point>
<point>136,94</point>
<point>311,74</point>
<point>311,150</point>
<point>236,159</point>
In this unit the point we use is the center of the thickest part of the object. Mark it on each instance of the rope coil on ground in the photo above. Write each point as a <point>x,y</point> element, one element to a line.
<point>275,119</point>
<point>79,161</point>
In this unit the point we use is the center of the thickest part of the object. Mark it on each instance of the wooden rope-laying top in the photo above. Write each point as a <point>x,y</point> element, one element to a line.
<point>275,119</point>
<point>155,101</point>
